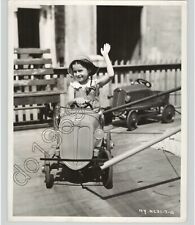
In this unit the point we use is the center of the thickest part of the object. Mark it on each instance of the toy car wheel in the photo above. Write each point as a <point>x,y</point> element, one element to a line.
<point>49,178</point>
<point>107,174</point>
<point>108,117</point>
<point>108,139</point>
<point>168,114</point>
<point>132,120</point>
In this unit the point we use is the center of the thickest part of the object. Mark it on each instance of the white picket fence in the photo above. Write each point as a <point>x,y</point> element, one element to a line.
<point>163,76</point>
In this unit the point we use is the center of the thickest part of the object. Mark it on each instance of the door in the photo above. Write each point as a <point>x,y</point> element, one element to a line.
<point>121,27</point>
<point>28,28</point>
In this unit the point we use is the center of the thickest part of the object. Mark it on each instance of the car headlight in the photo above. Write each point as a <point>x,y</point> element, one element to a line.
<point>99,134</point>
<point>127,98</point>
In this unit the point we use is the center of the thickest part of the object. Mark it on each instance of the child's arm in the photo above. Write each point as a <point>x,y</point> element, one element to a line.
<point>110,72</point>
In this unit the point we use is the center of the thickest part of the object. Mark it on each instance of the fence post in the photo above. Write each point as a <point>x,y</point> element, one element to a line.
<point>62,86</point>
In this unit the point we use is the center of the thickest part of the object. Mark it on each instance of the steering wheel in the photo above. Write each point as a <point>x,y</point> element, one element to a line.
<point>145,82</point>
<point>83,105</point>
<point>87,104</point>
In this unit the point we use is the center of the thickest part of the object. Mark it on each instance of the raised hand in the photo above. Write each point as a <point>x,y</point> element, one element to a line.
<point>105,50</point>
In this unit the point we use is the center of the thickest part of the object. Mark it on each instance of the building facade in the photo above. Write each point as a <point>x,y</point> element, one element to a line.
<point>149,33</point>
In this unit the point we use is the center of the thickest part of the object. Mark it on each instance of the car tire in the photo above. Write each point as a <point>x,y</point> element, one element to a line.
<point>168,114</point>
<point>49,178</point>
<point>108,143</point>
<point>132,120</point>
<point>108,117</point>
<point>107,174</point>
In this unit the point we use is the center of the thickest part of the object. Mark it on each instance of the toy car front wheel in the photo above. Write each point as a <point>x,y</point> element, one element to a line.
<point>107,174</point>
<point>168,114</point>
<point>132,120</point>
<point>108,117</point>
<point>49,178</point>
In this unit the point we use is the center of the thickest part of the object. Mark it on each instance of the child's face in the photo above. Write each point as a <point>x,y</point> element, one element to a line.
<point>80,73</point>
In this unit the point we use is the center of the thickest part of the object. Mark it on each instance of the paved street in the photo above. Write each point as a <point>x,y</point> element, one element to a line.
<point>145,185</point>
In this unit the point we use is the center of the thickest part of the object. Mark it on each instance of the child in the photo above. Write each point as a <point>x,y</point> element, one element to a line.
<point>84,89</point>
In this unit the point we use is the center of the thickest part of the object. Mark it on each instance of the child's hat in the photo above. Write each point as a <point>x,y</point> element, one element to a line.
<point>85,61</point>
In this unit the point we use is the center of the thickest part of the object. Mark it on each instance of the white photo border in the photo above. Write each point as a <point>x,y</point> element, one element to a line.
<point>184,112</point>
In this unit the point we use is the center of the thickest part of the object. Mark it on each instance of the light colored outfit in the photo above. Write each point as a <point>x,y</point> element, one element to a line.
<point>88,91</point>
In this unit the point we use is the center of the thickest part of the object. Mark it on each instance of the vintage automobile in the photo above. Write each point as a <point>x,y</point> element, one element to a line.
<point>82,147</point>
<point>141,89</point>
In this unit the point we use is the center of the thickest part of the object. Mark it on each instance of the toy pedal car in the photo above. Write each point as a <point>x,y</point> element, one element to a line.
<point>145,109</point>
<point>83,147</point>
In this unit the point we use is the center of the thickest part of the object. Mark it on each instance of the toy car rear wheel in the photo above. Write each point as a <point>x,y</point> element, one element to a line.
<point>107,174</point>
<point>49,178</point>
<point>168,114</point>
<point>132,120</point>
<point>108,139</point>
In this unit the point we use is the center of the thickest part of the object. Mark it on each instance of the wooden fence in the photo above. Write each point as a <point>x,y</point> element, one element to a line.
<point>36,87</point>
<point>162,76</point>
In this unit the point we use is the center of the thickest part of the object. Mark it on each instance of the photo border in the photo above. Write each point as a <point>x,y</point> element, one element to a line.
<point>10,102</point>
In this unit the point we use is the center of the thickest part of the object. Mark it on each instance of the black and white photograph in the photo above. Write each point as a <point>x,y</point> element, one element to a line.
<point>97,119</point>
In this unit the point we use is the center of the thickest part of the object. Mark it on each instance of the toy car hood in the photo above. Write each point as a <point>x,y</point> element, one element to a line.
<point>78,139</point>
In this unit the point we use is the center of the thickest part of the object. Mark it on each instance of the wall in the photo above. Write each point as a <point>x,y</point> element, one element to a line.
<point>80,31</point>
<point>60,33</point>
<point>161,33</point>
<point>47,31</point>
<point>77,33</point>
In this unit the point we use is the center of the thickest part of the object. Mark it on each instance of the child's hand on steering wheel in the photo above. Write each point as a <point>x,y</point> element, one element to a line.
<point>80,101</point>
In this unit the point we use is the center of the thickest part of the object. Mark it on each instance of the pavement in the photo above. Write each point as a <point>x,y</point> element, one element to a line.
<point>145,185</point>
